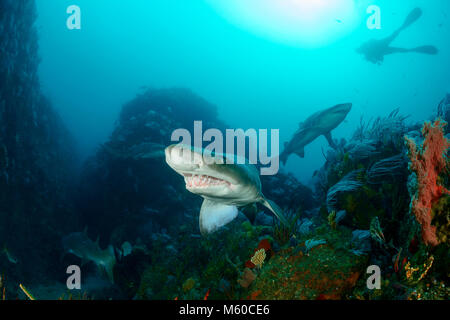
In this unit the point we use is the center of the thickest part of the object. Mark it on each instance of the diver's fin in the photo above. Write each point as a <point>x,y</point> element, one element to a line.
<point>422,49</point>
<point>214,215</point>
<point>276,210</point>
<point>330,140</point>
<point>425,50</point>
<point>412,17</point>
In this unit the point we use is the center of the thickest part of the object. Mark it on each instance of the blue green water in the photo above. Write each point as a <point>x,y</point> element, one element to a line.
<point>263,74</point>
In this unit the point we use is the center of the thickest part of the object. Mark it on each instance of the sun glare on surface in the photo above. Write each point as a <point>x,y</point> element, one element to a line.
<point>307,23</point>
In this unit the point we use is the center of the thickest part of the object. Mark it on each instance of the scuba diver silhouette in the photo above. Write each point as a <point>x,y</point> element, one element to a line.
<point>375,50</point>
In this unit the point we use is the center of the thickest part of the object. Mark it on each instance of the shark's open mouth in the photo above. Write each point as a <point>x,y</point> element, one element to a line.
<point>203,181</point>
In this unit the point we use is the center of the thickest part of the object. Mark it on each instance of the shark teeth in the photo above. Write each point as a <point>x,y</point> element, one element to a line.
<point>202,181</point>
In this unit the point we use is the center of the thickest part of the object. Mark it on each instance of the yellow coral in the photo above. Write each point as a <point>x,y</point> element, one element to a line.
<point>427,267</point>
<point>258,258</point>
<point>410,270</point>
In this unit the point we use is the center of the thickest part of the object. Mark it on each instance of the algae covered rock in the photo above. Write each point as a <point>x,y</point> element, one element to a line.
<point>324,273</point>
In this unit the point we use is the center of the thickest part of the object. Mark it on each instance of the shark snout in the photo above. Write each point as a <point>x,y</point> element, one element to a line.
<point>344,108</point>
<point>341,110</point>
<point>181,157</point>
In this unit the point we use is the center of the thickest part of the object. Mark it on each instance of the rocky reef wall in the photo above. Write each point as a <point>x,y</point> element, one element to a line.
<point>36,154</point>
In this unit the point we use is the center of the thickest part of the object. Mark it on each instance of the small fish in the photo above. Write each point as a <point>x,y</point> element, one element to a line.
<point>79,244</point>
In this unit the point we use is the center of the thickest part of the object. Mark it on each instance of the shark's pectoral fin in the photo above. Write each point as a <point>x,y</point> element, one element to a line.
<point>276,210</point>
<point>214,215</point>
<point>300,152</point>
<point>330,140</point>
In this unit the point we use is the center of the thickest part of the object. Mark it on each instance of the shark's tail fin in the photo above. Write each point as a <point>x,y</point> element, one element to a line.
<point>276,210</point>
<point>426,50</point>
<point>413,16</point>
<point>109,263</point>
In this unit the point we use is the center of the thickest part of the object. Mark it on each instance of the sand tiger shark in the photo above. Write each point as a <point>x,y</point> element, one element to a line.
<point>223,186</point>
<point>320,123</point>
<point>375,50</point>
<point>79,244</point>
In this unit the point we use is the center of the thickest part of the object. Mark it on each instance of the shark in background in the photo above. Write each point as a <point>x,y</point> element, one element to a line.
<point>375,50</point>
<point>79,244</point>
<point>318,124</point>
<point>223,186</point>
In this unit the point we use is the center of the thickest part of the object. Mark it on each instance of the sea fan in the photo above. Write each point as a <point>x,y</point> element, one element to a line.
<point>349,183</point>
<point>387,169</point>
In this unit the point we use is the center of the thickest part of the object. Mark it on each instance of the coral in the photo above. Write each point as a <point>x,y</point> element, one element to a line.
<point>388,131</point>
<point>423,269</point>
<point>282,233</point>
<point>441,219</point>
<point>376,232</point>
<point>386,170</point>
<point>349,183</point>
<point>428,162</point>
<point>326,273</point>
<point>26,292</point>
<point>248,276</point>
<point>263,251</point>
<point>258,258</point>
<point>311,243</point>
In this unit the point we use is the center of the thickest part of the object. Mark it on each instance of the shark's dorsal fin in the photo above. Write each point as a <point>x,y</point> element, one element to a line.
<point>276,210</point>
<point>214,215</point>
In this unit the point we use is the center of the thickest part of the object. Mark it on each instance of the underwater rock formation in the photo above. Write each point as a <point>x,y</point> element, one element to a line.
<point>127,190</point>
<point>428,161</point>
<point>351,182</point>
<point>36,154</point>
<point>290,193</point>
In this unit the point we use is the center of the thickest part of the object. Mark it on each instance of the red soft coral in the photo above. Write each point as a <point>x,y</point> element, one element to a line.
<point>428,162</point>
